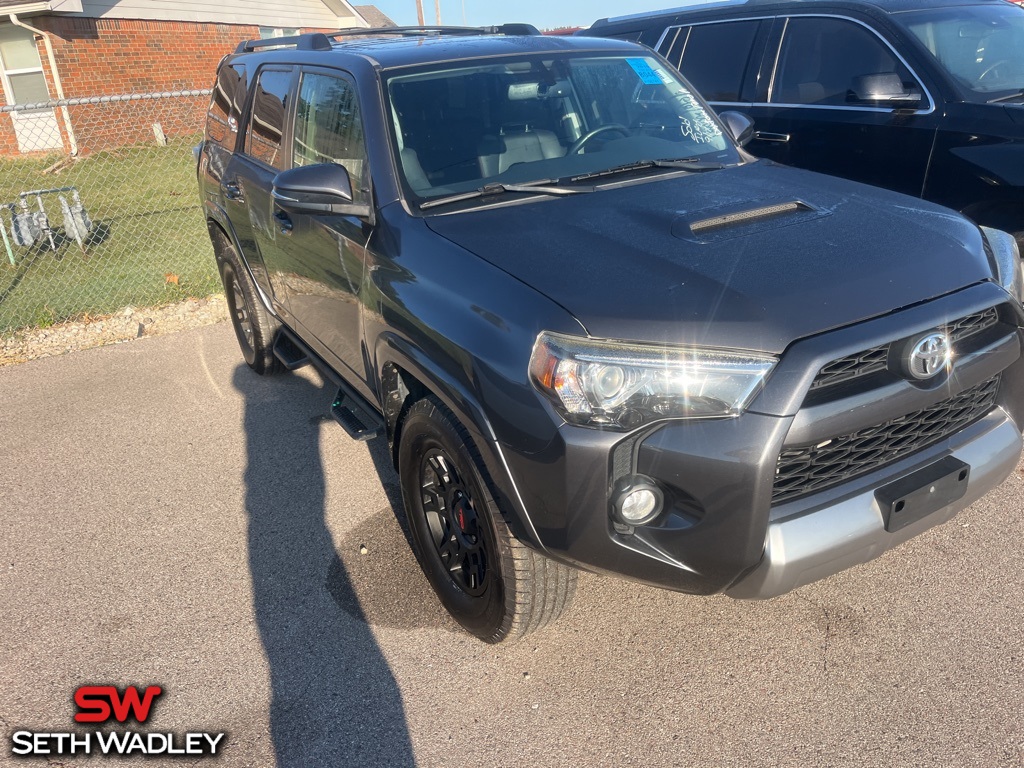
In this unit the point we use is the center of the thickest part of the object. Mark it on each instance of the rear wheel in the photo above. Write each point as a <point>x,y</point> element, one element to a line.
<point>255,328</point>
<point>494,586</point>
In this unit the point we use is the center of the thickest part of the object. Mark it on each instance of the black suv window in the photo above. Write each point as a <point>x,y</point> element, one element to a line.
<point>713,56</point>
<point>821,58</point>
<point>328,128</point>
<point>226,105</point>
<point>265,130</point>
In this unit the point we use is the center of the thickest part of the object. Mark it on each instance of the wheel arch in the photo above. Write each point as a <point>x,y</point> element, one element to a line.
<point>217,220</point>
<point>407,375</point>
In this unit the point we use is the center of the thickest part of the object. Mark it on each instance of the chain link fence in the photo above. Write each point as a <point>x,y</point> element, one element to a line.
<point>99,207</point>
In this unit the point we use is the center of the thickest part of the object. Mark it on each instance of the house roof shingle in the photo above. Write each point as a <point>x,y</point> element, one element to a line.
<point>373,15</point>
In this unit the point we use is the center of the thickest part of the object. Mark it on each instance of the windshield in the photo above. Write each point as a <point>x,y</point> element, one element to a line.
<point>544,118</point>
<point>981,46</point>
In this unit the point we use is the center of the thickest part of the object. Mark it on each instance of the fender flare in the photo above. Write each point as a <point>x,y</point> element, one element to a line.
<point>217,216</point>
<point>394,350</point>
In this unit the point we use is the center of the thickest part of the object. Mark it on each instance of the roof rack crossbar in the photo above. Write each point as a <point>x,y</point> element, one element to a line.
<point>503,29</point>
<point>319,41</point>
<point>311,41</point>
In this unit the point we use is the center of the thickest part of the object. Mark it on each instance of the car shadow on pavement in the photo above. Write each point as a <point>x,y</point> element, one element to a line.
<point>334,700</point>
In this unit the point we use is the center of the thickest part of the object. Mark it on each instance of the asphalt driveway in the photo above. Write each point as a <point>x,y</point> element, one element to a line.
<point>170,518</point>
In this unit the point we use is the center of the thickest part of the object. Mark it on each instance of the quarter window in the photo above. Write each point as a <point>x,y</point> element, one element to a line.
<point>821,59</point>
<point>328,128</point>
<point>265,131</point>
<point>713,57</point>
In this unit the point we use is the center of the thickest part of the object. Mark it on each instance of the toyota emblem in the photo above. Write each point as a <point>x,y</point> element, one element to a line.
<point>929,355</point>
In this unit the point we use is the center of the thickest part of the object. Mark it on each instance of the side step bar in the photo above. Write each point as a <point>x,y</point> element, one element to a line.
<point>288,351</point>
<point>360,423</point>
<point>352,411</point>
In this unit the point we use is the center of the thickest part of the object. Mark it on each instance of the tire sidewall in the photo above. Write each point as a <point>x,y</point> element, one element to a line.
<point>424,429</point>
<point>229,274</point>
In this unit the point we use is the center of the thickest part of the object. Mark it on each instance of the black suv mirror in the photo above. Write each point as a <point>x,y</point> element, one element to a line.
<point>322,188</point>
<point>739,125</point>
<point>883,88</point>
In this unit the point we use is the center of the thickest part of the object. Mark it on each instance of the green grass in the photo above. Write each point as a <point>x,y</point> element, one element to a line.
<point>147,225</point>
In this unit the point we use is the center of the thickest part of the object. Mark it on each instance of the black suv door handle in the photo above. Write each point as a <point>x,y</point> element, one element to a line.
<point>284,222</point>
<point>232,191</point>
<point>781,138</point>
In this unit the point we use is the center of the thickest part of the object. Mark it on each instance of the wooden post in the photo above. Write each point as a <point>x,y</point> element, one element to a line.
<point>419,12</point>
<point>437,10</point>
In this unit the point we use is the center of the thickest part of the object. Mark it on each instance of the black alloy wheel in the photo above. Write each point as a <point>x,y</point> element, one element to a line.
<point>495,586</point>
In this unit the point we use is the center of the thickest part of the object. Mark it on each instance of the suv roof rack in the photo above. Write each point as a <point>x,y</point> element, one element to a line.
<point>320,41</point>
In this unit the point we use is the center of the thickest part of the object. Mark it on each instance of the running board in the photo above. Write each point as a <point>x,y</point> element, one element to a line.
<point>358,422</point>
<point>291,355</point>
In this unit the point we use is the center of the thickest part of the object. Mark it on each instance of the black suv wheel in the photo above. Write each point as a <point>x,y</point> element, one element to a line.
<point>254,326</point>
<point>493,585</point>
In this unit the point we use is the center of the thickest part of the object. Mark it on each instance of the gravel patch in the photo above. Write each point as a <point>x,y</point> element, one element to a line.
<point>127,324</point>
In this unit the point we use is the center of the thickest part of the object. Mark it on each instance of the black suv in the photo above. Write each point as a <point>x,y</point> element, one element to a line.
<point>593,331</point>
<point>925,97</point>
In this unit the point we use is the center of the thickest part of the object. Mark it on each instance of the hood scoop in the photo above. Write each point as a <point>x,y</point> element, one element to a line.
<point>749,218</point>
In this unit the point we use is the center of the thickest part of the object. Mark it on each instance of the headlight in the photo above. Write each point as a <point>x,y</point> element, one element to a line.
<point>621,385</point>
<point>1006,260</point>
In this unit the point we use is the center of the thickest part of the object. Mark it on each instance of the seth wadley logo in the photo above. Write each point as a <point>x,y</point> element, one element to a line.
<point>101,703</point>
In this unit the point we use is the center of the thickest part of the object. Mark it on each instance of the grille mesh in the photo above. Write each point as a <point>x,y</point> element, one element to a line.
<point>873,360</point>
<point>802,471</point>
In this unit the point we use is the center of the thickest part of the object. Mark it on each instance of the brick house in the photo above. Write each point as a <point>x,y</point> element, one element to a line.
<point>70,49</point>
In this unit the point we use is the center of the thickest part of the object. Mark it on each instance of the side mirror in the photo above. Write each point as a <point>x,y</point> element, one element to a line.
<point>739,125</point>
<point>884,88</point>
<point>317,189</point>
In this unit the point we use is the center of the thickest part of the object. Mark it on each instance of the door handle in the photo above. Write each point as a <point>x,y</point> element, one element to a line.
<point>284,222</point>
<point>233,192</point>
<point>781,138</point>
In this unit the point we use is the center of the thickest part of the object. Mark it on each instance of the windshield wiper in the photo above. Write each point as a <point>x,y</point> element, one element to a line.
<point>686,164</point>
<point>543,187</point>
<point>1008,97</point>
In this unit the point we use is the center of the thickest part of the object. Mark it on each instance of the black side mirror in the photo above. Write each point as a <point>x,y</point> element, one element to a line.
<point>739,125</point>
<point>883,88</point>
<point>313,189</point>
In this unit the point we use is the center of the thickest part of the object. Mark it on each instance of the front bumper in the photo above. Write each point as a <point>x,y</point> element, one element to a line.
<point>726,528</point>
<point>850,529</point>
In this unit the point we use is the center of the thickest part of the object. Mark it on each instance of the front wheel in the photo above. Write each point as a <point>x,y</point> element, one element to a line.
<point>493,585</point>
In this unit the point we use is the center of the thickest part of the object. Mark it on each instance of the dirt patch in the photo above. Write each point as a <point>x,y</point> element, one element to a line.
<point>127,324</point>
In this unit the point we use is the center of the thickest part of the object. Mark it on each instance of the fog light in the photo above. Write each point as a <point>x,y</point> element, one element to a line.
<point>638,502</point>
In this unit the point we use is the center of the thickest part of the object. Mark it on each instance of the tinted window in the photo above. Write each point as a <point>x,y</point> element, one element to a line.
<point>820,58</point>
<point>328,128</point>
<point>713,56</point>
<point>265,130</point>
<point>981,46</point>
<point>226,104</point>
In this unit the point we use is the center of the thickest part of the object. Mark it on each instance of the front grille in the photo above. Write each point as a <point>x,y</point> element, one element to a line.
<point>802,471</point>
<point>968,326</point>
<point>852,367</point>
<point>874,360</point>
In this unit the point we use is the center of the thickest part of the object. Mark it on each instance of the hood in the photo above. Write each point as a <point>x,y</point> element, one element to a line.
<point>753,257</point>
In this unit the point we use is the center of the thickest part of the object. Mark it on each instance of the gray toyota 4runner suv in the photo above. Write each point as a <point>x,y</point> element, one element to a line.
<point>596,333</point>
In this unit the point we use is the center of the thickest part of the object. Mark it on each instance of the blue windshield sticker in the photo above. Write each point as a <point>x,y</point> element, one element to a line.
<point>644,71</point>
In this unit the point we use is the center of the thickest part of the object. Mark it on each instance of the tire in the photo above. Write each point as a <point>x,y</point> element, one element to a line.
<point>255,328</point>
<point>494,586</point>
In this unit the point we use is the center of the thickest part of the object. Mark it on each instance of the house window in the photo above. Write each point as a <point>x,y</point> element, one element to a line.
<point>268,32</point>
<point>20,67</point>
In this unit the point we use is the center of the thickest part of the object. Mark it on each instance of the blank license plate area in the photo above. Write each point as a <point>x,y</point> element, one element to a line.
<point>925,491</point>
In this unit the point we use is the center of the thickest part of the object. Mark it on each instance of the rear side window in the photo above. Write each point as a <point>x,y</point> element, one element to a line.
<point>226,105</point>
<point>328,128</point>
<point>713,57</point>
<point>265,130</point>
<point>821,57</point>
